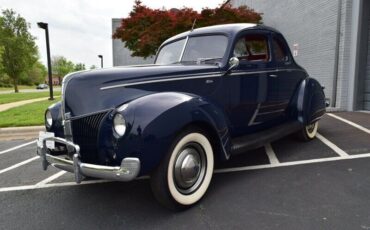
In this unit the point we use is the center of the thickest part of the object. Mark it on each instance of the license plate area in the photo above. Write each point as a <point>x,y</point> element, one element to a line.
<point>42,136</point>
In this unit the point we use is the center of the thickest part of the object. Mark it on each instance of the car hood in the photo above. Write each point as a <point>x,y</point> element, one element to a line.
<point>93,91</point>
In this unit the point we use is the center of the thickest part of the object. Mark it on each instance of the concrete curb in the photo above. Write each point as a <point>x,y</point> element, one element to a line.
<point>16,133</point>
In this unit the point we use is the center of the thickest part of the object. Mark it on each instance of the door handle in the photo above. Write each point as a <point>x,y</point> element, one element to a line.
<point>273,75</point>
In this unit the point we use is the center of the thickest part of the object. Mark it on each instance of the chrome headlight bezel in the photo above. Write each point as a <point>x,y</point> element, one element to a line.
<point>48,119</point>
<point>119,124</point>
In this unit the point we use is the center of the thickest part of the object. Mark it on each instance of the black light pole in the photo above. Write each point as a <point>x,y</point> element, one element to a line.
<point>101,60</point>
<point>44,26</point>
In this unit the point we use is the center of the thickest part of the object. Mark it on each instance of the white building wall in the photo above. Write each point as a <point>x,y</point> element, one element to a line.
<point>122,55</point>
<point>313,25</point>
<point>367,77</point>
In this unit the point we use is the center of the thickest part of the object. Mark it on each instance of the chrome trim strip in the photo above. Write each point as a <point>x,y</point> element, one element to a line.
<point>253,72</point>
<point>264,71</point>
<point>183,48</point>
<point>270,112</point>
<point>274,105</point>
<point>160,80</point>
<point>252,122</point>
<point>196,76</point>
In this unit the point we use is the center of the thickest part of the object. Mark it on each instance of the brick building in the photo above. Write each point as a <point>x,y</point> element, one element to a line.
<point>54,79</point>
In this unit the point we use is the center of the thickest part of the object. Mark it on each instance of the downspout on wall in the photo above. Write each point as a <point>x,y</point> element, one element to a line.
<point>336,56</point>
<point>355,53</point>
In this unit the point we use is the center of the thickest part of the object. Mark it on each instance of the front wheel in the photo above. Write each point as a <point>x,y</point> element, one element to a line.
<point>308,132</point>
<point>185,173</point>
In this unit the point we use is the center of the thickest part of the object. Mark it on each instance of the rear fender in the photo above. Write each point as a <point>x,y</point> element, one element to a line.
<point>310,101</point>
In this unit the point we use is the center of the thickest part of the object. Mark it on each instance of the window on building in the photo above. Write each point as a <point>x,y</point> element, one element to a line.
<point>252,48</point>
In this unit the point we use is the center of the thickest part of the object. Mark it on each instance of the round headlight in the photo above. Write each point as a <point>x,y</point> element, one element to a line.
<point>48,119</point>
<point>119,124</point>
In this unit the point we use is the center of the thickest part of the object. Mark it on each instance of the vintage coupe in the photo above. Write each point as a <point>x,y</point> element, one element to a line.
<point>212,93</point>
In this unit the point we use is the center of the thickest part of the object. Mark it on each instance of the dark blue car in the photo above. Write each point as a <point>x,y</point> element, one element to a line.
<point>212,93</point>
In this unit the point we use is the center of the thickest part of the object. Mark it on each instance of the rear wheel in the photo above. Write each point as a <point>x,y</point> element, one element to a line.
<point>185,173</point>
<point>308,132</point>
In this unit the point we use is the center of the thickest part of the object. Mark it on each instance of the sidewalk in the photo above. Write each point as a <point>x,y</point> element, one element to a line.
<point>7,106</point>
<point>18,133</point>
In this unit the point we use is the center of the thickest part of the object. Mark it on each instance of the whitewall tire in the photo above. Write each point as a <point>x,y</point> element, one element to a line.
<point>309,131</point>
<point>184,175</point>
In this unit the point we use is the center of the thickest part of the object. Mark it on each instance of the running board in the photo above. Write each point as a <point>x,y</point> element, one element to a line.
<point>256,140</point>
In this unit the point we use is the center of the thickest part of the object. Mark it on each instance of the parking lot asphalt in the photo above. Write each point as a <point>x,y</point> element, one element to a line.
<point>322,184</point>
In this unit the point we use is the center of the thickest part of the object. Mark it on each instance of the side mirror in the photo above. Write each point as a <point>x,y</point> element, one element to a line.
<point>233,63</point>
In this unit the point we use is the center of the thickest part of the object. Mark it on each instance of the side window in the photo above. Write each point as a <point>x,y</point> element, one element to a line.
<point>279,49</point>
<point>252,47</point>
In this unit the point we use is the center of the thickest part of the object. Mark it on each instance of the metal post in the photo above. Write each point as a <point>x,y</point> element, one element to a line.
<point>101,60</point>
<point>46,28</point>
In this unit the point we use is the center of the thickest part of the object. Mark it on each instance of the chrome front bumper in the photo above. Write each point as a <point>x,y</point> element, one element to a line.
<point>129,169</point>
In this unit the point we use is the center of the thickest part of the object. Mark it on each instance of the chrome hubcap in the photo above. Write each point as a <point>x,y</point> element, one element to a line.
<point>310,128</point>
<point>189,168</point>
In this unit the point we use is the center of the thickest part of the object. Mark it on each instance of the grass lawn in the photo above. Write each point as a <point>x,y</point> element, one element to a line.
<point>20,87</point>
<point>13,97</point>
<point>26,115</point>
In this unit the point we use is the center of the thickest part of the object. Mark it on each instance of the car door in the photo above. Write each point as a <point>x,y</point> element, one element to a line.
<point>288,75</point>
<point>250,85</point>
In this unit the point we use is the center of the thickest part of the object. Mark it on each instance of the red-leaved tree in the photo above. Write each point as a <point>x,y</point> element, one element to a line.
<point>145,29</point>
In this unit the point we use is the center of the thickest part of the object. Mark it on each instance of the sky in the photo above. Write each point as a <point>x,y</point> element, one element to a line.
<point>80,30</point>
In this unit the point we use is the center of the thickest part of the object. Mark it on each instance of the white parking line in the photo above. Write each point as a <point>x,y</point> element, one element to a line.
<point>19,164</point>
<point>51,178</point>
<point>271,154</point>
<point>63,184</point>
<point>17,147</point>
<point>331,145</point>
<point>350,123</point>
<point>31,187</point>
<point>217,171</point>
<point>292,163</point>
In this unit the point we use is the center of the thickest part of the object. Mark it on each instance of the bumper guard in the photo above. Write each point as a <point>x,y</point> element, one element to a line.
<point>129,169</point>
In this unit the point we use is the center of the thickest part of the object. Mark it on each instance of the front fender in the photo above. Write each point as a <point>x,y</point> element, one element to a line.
<point>57,126</point>
<point>156,119</point>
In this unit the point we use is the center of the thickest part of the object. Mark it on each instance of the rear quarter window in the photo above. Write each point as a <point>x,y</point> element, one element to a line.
<point>252,47</point>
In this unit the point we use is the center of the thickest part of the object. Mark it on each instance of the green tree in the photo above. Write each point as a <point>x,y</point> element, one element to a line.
<point>36,74</point>
<point>145,29</point>
<point>1,60</point>
<point>33,76</point>
<point>61,66</point>
<point>20,51</point>
<point>79,67</point>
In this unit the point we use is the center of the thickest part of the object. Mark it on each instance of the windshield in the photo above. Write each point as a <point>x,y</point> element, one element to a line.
<point>171,52</point>
<point>201,49</point>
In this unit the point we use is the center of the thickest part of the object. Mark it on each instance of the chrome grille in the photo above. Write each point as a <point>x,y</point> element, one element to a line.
<point>85,133</point>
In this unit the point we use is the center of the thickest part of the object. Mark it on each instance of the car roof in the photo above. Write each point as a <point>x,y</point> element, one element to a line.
<point>230,29</point>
